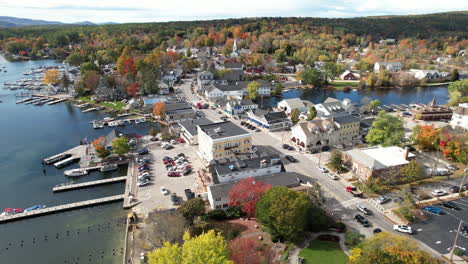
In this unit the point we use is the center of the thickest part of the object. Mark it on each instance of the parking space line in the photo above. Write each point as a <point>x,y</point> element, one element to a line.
<point>455,216</point>
<point>460,203</point>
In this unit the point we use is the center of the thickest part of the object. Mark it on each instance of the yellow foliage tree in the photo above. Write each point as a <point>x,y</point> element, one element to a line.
<point>159,109</point>
<point>207,248</point>
<point>389,248</point>
<point>51,76</point>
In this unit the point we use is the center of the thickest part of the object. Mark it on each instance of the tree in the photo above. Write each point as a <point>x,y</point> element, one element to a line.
<point>51,77</point>
<point>248,251</point>
<point>153,131</point>
<point>283,212</point>
<point>99,147</point>
<point>123,57</point>
<point>120,146</point>
<point>133,89</point>
<point>91,80</point>
<point>329,71</point>
<point>65,80</point>
<point>277,89</point>
<point>163,226</point>
<point>336,160</point>
<point>207,248</point>
<point>159,109</point>
<point>312,113</point>
<point>427,136</point>
<point>312,76</point>
<point>375,104</point>
<point>192,208</point>
<point>295,115</point>
<point>411,171</point>
<point>246,193</point>
<point>386,248</point>
<point>454,75</point>
<point>386,130</point>
<point>253,90</point>
<point>88,66</point>
<point>75,59</point>
<point>458,91</point>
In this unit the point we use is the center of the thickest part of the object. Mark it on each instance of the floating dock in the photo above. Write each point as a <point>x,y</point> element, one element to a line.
<point>56,158</point>
<point>66,162</point>
<point>60,208</point>
<point>68,187</point>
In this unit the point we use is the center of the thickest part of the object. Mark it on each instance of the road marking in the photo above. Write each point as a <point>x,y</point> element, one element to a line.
<point>419,230</point>
<point>438,242</point>
<point>462,248</point>
<point>350,202</point>
<point>460,203</point>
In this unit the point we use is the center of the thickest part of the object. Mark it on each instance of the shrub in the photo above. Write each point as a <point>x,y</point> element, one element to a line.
<point>352,239</point>
<point>458,252</point>
<point>217,215</point>
<point>234,212</point>
<point>232,234</point>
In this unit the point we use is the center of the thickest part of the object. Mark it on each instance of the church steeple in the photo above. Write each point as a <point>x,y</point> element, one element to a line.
<point>234,47</point>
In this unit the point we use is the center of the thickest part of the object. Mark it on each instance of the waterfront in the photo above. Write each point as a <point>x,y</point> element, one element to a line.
<point>28,134</point>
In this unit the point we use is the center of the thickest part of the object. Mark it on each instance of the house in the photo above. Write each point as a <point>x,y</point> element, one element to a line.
<point>460,116</point>
<point>432,112</point>
<point>222,140</point>
<point>205,78</point>
<point>178,111</point>
<point>218,194</point>
<point>348,75</point>
<point>332,107</point>
<point>425,74</point>
<point>264,88</point>
<point>442,60</point>
<point>300,68</point>
<point>390,66</point>
<point>236,169</point>
<point>288,105</point>
<point>318,133</point>
<point>171,77</point>
<point>387,41</point>
<point>318,65</point>
<point>189,131</point>
<point>163,88</point>
<point>273,121</point>
<point>239,107</point>
<point>376,161</point>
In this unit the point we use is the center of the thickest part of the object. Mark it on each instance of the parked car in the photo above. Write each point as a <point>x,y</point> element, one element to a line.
<point>290,158</point>
<point>143,151</point>
<point>454,189</point>
<point>433,209</point>
<point>290,148</point>
<point>452,167</point>
<point>187,171</point>
<point>322,169</point>
<point>383,199</point>
<point>285,146</point>
<point>189,194</point>
<point>363,210</point>
<point>464,230</point>
<point>181,155</point>
<point>439,192</point>
<point>174,198</point>
<point>257,130</point>
<point>450,205</point>
<point>173,174</point>
<point>377,230</point>
<point>333,176</point>
<point>166,158</point>
<point>403,229</point>
<point>168,161</point>
<point>143,183</point>
<point>362,220</point>
<point>168,147</point>
<point>164,190</point>
<point>325,148</point>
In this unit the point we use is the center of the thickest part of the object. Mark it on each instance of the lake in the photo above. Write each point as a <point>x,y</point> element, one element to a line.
<point>27,135</point>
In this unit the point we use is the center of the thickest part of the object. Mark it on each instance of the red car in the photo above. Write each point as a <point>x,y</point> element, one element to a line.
<point>181,140</point>
<point>173,174</point>
<point>168,161</point>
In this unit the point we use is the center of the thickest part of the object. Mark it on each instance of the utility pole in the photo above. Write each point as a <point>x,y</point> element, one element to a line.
<point>455,242</point>
<point>463,180</point>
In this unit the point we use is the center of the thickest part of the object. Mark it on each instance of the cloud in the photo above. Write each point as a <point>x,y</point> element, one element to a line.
<point>151,10</point>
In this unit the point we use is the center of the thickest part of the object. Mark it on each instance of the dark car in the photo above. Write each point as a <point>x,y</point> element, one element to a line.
<point>166,158</point>
<point>290,158</point>
<point>464,230</point>
<point>143,151</point>
<point>187,171</point>
<point>285,146</point>
<point>325,148</point>
<point>362,220</point>
<point>377,230</point>
<point>290,148</point>
<point>410,148</point>
<point>181,155</point>
<point>189,194</point>
<point>465,187</point>
<point>450,205</point>
<point>454,189</point>
<point>242,123</point>
<point>174,198</point>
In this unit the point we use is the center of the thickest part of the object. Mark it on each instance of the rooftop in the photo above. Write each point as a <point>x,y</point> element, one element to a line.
<point>380,157</point>
<point>223,130</point>
<point>191,125</point>
<point>346,119</point>
<point>238,164</point>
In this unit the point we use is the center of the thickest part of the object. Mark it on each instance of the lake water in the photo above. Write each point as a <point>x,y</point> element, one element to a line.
<point>27,135</point>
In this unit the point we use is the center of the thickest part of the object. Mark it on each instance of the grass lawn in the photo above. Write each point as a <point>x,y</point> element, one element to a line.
<point>323,252</point>
<point>342,85</point>
<point>114,105</point>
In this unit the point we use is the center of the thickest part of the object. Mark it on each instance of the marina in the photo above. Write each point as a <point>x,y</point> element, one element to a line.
<point>60,208</point>
<point>74,186</point>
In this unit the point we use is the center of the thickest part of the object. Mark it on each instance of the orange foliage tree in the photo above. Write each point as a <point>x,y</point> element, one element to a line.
<point>51,76</point>
<point>133,89</point>
<point>159,109</point>
<point>427,136</point>
<point>99,146</point>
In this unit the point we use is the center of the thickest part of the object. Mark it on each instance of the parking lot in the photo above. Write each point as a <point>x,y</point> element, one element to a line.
<point>151,195</point>
<point>438,231</point>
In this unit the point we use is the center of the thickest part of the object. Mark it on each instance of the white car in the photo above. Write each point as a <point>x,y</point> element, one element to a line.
<point>439,192</point>
<point>164,190</point>
<point>333,176</point>
<point>322,169</point>
<point>143,183</point>
<point>403,229</point>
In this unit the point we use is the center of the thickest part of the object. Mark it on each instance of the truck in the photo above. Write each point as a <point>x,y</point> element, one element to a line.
<point>354,191</point>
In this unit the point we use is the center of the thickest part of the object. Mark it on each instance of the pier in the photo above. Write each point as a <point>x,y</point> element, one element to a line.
<point>130,187</point>
<point>66,157</point>
<point>61,208</point>
<point>74,186</point>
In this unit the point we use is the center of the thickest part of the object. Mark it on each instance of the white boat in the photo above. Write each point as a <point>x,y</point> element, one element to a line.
<point>107,119</point>
<point>75,173</point>
<point>110,167</point>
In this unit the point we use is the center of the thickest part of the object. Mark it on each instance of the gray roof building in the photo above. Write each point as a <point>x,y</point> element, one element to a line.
<point>223,130</point>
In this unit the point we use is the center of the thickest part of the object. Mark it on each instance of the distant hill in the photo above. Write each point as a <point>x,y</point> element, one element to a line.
<point>6,21</point>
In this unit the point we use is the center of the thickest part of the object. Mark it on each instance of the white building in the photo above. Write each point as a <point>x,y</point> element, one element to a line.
<point>390,66</point>
<point>238,107</point>
<point>425,74</point>
<point>460,116</point>
<point>273,121</point>
<point>288,105</point>
<point>188,129</point>
<point>332,107</point>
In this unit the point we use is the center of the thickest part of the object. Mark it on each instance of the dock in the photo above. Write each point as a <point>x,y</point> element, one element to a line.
<point>61,208</point>
<point>130,187</point>
<point>74,186</point>
<point>66,157</point>
<point>67,161</point>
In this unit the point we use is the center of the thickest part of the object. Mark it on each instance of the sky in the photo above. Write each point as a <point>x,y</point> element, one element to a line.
<point>174,10</point>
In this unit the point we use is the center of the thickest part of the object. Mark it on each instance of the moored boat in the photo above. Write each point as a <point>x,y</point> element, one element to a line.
<point>34,207</point>
<point>75,172</point>
<point>109,167</point>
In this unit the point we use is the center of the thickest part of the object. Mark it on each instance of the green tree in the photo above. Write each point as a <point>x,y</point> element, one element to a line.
<point>65,81</point>
<point>352,239</point>
<point>120,146</point>
<point>295,115</point>
<point>283,212</point>
<point>411,171</point>
<point>207,248</point>
<point>192,208</point>
<point>454,75</point>
<point>88,66</point>
<point>312,76</point>
<point>75,59</point>
<point>252,89</point>
<point>336,160</point>
<point>387,130</point>
<point>277,89</point>
<point>312,113</point>
<point>388,248</point>
<point>375,104</point>
<point>329,71</point>
<point>458,91</point>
